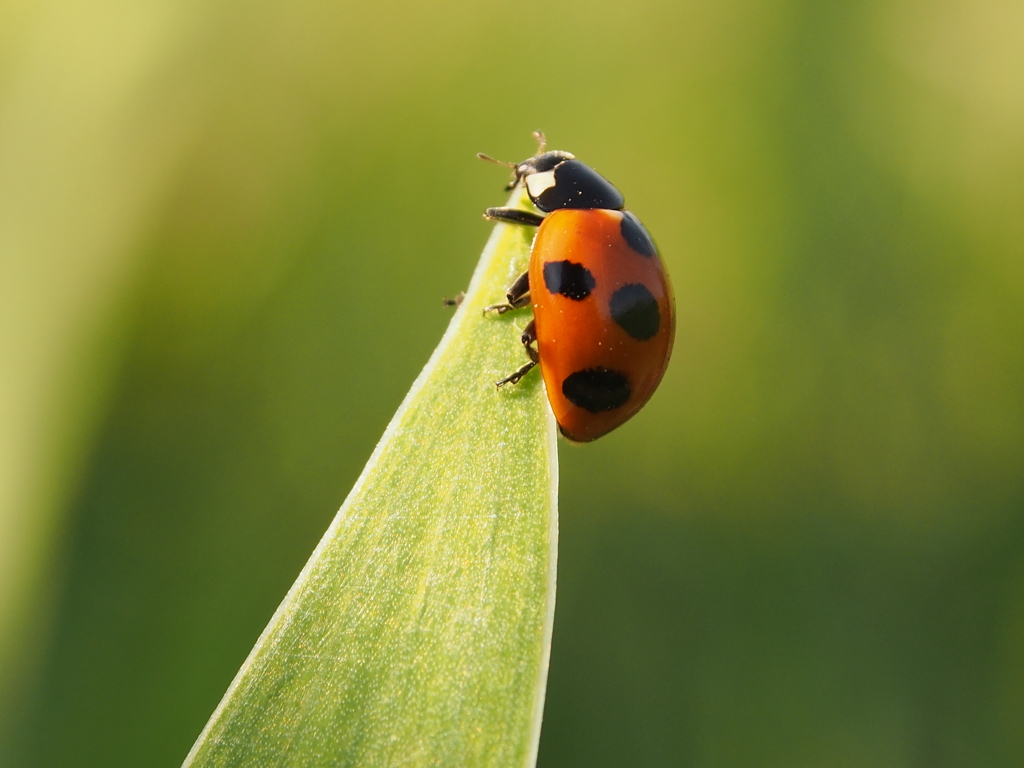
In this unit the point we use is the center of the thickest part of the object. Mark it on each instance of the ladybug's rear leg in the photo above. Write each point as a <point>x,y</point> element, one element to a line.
<point>529,336</point>
<point>518,296</point>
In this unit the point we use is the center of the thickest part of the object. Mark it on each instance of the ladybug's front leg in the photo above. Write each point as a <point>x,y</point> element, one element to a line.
<point>518,296</point>
<point>514,216</point>
<point>529,336</point>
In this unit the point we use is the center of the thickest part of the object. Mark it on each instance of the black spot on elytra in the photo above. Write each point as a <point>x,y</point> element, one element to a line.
<point>569,279</point>
<point>577,185</point>
<point>636,311</point>
<point>636,236</point>
<point>596,389</point>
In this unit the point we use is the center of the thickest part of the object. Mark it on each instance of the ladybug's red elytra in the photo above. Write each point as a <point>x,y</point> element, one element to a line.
<point>603,312</point>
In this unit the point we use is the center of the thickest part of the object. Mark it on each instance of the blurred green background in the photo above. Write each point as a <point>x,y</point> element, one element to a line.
<point>224,232</point>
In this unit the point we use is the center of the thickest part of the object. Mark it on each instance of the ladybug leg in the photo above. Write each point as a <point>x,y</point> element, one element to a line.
<point>518,296</point>
<point>514,216</point>
<point>454,302</point>
<point>529,336</point>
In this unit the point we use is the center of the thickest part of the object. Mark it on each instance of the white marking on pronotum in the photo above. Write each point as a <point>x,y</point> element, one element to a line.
<point>538,182</point>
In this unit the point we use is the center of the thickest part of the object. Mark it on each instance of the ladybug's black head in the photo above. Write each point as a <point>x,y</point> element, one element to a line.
<point>542,163</point>
<point>558,180</point>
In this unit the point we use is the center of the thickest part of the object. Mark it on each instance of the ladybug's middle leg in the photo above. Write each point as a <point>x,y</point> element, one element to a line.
<point>518,296</point>
<point>529,336</point>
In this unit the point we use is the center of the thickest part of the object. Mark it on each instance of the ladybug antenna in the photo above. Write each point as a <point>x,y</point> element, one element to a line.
<point>490,159</point>
<point>513,166</point>
<point>541,141</point>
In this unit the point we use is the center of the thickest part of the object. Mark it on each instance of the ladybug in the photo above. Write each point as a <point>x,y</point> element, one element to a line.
<point>603,310</point>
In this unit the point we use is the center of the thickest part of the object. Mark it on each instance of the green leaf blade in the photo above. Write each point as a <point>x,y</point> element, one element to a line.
<point>419,631</point>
